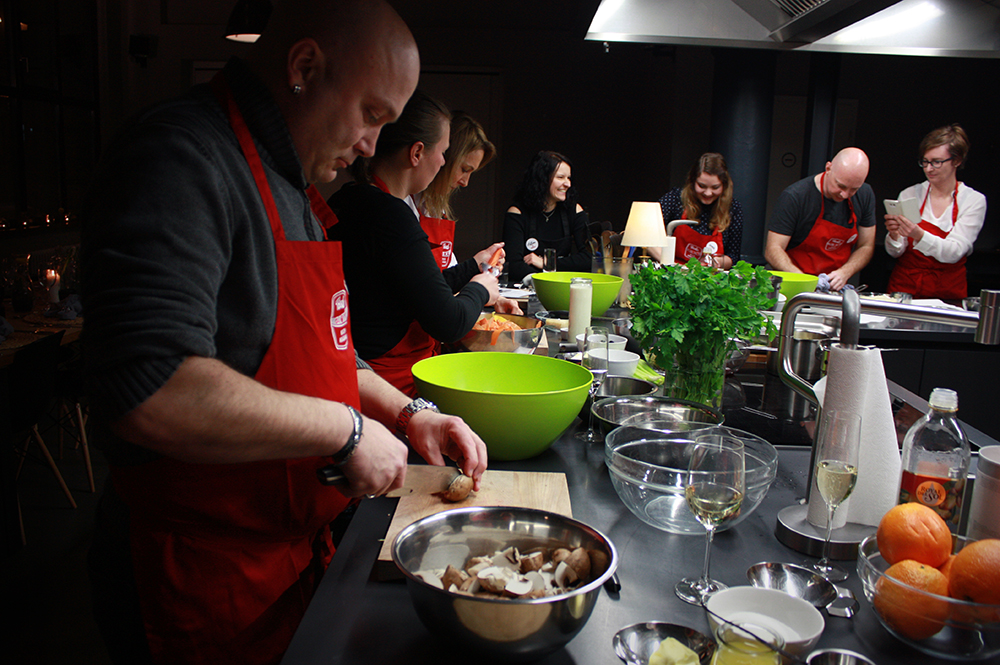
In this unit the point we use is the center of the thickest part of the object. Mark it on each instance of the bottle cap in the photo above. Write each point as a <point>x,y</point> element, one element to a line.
<point>944,399</point>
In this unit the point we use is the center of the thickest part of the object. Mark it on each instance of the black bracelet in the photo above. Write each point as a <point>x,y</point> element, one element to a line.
<point>340,457</point>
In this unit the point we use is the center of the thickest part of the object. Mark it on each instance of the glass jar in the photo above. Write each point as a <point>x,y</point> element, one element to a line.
<point>737,644</point>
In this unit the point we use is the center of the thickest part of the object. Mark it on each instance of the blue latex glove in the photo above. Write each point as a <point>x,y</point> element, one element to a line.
<point>823,285</point>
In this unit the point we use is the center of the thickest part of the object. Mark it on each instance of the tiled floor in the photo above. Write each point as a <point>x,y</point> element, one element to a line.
<point>45,584</point>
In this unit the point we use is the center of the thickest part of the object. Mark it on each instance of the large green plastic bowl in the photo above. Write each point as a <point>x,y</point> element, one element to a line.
<point>552,289</point>
<point>518,404</point>
<point>794,283</point>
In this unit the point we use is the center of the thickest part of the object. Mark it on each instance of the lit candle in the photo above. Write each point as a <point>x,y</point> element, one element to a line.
<point>52,279</point>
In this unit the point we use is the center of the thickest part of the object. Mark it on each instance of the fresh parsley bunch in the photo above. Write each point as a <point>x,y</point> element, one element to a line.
<point>688,316</point>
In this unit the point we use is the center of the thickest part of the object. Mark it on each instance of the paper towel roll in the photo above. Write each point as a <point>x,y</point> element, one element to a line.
<point>855,381</point>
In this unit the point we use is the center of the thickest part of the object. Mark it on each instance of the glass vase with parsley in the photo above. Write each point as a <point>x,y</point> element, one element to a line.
<point>687,319</point>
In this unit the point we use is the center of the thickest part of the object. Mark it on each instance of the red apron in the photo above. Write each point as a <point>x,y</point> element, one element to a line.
<point>691,244</point>
<point>226,556</point>
<point>441,234</point>
<point>828,246</point>
<point>924,276</point>
<point>396,365</point>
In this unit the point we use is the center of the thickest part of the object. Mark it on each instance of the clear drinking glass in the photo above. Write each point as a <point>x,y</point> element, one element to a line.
<point>714,489</point>
<point>594,358</point>
<point>838,439</point>
<point>751,646</point>
<point>548,260</point>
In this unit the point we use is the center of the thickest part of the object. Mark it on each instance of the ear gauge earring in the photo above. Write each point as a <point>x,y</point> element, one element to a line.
<point>296,89</point>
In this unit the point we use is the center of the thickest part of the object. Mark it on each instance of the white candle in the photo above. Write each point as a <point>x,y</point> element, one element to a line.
<point>580,303</point>
<point>52,279</point>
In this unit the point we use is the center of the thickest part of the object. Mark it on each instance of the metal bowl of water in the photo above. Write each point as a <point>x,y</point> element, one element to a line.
<point>652,412</point>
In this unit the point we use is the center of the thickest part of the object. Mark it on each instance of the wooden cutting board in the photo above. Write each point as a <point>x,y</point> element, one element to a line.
<point>523,489</point>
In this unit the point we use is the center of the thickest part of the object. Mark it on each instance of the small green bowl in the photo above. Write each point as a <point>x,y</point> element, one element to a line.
<point>794,283</point>
<point>518,404</point>
<point>552,289</point>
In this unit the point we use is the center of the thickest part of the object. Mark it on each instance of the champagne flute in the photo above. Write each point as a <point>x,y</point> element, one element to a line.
<point>714,492</point>
<point>837,442</point>
<point>594,358</point>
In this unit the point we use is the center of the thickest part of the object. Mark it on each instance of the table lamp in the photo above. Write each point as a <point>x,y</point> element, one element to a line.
<point>644,228</point>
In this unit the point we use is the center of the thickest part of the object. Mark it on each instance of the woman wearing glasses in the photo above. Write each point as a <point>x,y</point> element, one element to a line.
<point>930,252</point>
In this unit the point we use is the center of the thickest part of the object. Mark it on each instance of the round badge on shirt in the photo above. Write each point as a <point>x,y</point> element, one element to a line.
<point>531,244</point>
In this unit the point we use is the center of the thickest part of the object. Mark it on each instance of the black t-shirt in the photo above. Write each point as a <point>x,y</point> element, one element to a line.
<point>391,274</point>
<point>563,231</point>
<point>799,205</point>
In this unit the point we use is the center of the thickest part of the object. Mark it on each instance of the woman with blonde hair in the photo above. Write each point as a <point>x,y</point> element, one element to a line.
<point>707,196</point>
<point>930,252</point>
<point>402,305</point>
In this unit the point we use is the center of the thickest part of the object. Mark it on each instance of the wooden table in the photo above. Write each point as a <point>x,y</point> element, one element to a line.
<point>34,325</point>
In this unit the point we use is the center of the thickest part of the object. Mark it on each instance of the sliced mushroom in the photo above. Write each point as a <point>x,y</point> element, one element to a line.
<point>532,561</point>
<point>518,587</point>
<point>579,561</point>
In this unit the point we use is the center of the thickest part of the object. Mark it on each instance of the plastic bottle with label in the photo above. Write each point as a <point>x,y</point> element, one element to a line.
<point>936,459</point>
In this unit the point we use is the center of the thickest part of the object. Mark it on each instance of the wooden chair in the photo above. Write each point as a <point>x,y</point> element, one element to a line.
<point>70,405</point>
<point>32,388</point>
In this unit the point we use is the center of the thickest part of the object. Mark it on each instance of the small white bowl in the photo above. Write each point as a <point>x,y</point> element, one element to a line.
<point>614,342</point>
<point>622,363</point>
<point>797,621</point>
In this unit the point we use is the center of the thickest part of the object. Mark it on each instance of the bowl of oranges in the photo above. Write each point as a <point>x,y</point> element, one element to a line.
<point>937,592</point>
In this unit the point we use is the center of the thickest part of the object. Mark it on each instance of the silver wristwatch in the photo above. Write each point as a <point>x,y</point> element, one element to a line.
<point>403,420</point>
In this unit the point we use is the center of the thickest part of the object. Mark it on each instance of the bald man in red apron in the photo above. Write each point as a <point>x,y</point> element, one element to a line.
<point>838,248</point>
<point>217,467</point>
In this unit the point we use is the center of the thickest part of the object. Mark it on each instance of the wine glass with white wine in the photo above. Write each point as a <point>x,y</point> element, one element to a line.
<point>714,491</point>
<point>838,439</point>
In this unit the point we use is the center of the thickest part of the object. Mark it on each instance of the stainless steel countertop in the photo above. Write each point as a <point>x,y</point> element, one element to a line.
<point>356,619</point>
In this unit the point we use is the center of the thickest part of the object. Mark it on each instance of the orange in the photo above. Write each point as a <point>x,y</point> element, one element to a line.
<point>914,531</point>
<point>945,567</point>
<point>975,573</point>
<point>906,610</point>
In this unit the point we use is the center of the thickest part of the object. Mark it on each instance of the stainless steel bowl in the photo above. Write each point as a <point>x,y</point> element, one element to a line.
<point>837,657</point>
<point>512,341</point>
<point>617,386</point>
<point>652,412</point>
<point>516,629</point>
<point>635,644</point>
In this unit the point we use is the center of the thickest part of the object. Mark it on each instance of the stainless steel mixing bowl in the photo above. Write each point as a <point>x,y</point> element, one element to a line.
<point>505,629</point>
<point>508,341</point>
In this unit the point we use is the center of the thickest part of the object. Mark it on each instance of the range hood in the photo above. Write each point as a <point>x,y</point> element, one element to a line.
<point>958,28</point>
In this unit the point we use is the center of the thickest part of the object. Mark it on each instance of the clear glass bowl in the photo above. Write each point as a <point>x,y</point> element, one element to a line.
<point>648,469</point>
<point>968,631</point>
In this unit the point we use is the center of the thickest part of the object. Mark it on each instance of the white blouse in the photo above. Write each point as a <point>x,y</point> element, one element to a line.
<point>971,214</point>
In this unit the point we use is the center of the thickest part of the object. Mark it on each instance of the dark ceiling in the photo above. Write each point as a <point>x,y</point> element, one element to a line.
<point>473,15</point>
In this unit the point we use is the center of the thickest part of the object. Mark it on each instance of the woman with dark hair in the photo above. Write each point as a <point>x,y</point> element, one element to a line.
<point>402,305</point>
<point>545,215</point>
<point>930,252</point>
<point>707,196</point>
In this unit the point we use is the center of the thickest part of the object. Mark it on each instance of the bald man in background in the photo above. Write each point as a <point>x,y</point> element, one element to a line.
<point>825,223</point>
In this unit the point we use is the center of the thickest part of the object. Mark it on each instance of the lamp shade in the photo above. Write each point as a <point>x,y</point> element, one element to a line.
<point>248,20</point>
<point>644,227</point>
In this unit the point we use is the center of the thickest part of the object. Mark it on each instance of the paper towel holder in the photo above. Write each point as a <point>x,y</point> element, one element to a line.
<point>792,528</point>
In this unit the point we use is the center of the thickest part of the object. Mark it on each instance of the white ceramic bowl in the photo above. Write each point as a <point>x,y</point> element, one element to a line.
<point>614,342</point>
<point>617,362</point>
<point>796,620</point>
